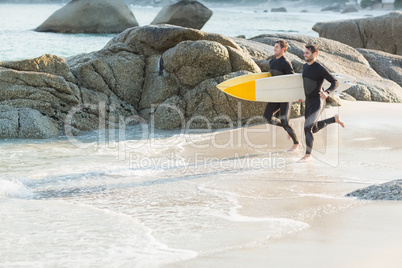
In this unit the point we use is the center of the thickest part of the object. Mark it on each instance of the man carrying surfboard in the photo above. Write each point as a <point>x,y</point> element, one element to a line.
<point>281,66</point>
<point>313,78</point>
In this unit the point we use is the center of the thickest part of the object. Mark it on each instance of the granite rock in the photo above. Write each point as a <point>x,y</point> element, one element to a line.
<point>379,33</point>
<point>86,16</point>
<point>387,191</point>
<point>185,13</point>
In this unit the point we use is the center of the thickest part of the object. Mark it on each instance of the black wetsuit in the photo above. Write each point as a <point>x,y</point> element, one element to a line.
<point>280,66</point>
<point>313,78</point>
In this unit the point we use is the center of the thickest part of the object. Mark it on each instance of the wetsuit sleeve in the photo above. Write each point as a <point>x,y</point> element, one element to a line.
<point>330,78</point>
<point>288,68</point>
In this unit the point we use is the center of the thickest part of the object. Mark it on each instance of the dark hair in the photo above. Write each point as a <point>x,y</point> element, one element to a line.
<point>283,44</point>
<point>312,47</point>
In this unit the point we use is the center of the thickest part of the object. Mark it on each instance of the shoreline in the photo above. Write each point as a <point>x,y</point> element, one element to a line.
<point>343,231</point>
<point>361,237</point>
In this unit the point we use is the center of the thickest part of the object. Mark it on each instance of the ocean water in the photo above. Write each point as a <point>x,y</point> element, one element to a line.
<point>19,41</point>
<point>68,206</point>
<point>152,198</point>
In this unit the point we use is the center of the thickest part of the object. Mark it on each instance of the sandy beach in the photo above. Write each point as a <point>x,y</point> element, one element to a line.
<point>342,232</point>
<point>366,236</point>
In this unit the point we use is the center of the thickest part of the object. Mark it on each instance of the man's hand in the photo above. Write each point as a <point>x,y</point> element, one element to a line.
<point>300,100</point>
<point>323,95</point>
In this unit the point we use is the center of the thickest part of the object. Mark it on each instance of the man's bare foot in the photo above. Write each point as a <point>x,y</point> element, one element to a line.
<point>294,148</point>
<point>306,158</point>
<point>339,121</point>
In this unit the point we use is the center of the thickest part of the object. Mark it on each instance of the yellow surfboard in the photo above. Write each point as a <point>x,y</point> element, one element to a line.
<point>242,87</point>
<point>283,88</point>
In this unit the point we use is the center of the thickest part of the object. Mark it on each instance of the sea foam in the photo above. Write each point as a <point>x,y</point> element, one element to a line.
<point>14,189</point>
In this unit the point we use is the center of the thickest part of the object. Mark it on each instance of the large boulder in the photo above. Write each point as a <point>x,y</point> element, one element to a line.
<point>380,33</point>
<point>119,74</point>
<point>385,64</point>
<point>182,62</point>
<point>39,84</point>
<point>25,123</point>
<point>87,16</point>
<point>279,9</point>
<point>185,13</point>
<point>381,90</point>
<point>336,7</point>
<point>47,63</point>
<point>49,93</point>
<point>350,9</point>
<point>156,39</point>
<point>44,98</point>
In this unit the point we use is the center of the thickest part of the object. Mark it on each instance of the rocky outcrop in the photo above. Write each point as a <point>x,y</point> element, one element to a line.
<point>161,75</point>
<point>381,90</point>
<point>46,87</point>
<point>48,64</point>
<point>45,90</point>
<point>336,7</point>
<point>25,123</point>
<point>86,16</point>
<point>387,191</point>
<point>379,33</point>
<point>279,9</point>
<point>183,67</point>
<point>145,71</point>
<point>385,64</point>
<point>350,9</point>
<point>185,13</point>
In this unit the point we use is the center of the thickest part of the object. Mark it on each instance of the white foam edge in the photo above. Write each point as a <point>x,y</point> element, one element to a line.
<point>14,189</point>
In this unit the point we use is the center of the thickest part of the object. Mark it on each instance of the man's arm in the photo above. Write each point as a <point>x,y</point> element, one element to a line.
<point>330,78</point>
<point>288,68</point>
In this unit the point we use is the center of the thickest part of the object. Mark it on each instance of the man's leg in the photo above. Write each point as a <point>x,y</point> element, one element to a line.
<point>312,126</point>
<point>323,123</point>
<point>271,109</point>
<point>285,115</point>
<point>312,113</point>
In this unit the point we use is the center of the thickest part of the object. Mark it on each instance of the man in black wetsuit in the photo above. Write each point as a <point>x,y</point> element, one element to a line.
<point>280,66</point>
<point>313,78</point>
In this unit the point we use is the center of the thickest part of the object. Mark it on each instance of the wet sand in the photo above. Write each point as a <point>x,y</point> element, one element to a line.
<point>366,236</point>
<point>342,232</point>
